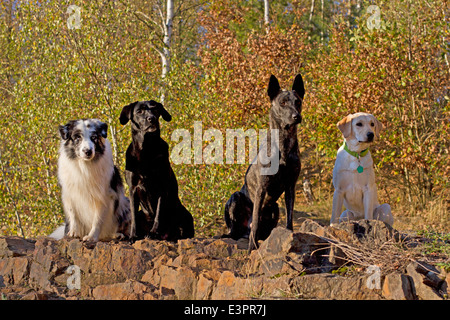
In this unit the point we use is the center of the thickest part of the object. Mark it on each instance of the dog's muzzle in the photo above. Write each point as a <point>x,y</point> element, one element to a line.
<point>87,153</point>
<point>297,118</point>
<point>370,136</point>
<point>151,124</point>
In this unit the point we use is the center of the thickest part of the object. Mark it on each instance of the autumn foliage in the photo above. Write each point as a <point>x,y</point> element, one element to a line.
<point>222,57</point>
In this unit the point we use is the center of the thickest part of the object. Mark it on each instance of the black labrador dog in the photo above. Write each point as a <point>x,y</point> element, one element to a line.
<point>152,182</point>
<point>253,211</point>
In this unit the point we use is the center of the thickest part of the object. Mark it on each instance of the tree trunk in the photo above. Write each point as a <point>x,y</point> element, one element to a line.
<point>165,56</point>
<point>266,13</point>
<point>323,24</point>
<point>443,45</point>
<point>311,11</point>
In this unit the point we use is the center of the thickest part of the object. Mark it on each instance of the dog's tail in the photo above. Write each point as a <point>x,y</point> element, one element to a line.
<point>58,234</point>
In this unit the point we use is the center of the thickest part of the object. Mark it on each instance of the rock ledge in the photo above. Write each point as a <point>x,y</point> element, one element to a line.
<point>313,263</point>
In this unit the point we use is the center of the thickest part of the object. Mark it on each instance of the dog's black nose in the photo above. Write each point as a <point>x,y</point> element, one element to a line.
<point>297,117</point>
<point>87,152</point>
<point>370,136</point>
<point>151,118</point>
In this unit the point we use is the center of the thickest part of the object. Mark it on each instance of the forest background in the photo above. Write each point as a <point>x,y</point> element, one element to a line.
<point>210,61</point>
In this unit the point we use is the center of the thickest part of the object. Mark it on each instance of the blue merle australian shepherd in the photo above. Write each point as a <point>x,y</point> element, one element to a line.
<point>91,187</point>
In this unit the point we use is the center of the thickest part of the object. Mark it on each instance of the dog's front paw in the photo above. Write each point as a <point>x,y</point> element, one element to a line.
<point>90,238</point>
<point>119,236</point>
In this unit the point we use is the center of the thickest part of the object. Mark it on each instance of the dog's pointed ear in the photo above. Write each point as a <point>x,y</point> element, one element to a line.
<point>125,115</point>
<point>274,87</point>
<point>298,86</point>
<point>64,131</point>
<point>378,128</point>
<point>164,113</point>
<point>345,126</point>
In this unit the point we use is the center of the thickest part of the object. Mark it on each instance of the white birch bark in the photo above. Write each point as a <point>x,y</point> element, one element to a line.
<point>266,12</point>
<point>165,54</point>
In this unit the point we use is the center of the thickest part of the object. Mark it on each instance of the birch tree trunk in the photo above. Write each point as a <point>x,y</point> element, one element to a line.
<point>311,11</point>
<point>321,29</point>
<point>266,12</point>
<point>165,54</point>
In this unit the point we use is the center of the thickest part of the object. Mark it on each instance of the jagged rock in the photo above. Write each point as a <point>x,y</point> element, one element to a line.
<point>445,287</point>
<point>189,246</point>
<point>229,285</point>
<point>14,270</point>
<point>182,280</point>
<point>46,263</point>
<point>327,286</point>
<point>420,281</point>
<point>372,232</point>
<point>128,290</point>
<point>285,251</point>
<point>274,287</point>
<point>205,284</point>
<point>15,247</point>
<point>154,248</point>
<point>397,286</point>
<point>286,265</point>
<point>220,249</point>
<point>312,226</point>
<point>35,295</point>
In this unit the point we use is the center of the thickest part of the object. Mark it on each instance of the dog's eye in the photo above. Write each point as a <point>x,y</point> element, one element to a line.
<point>76,138</point>
<point>94,138</point>
<point>359,124</point>
<point>372,124</point>
<point>139,111</point>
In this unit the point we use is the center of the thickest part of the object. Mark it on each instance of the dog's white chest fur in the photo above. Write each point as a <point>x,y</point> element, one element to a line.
<point>352,184</point>
<point>86,192</point>
<point>86,177</point>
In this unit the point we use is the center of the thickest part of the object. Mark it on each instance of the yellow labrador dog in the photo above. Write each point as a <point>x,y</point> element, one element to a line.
<point>353,173</point>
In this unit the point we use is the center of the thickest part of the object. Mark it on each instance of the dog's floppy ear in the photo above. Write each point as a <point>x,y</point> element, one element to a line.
<point>274,87</point>
<point>103,129</point>
<point>345,125</point>
<point>378,128</point>
<point>125,115</point>
<point>64,132</point>
<point>298,86</point>
<point>164,113</point>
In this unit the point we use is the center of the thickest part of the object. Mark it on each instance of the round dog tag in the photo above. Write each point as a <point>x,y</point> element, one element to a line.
<point>360,169</point>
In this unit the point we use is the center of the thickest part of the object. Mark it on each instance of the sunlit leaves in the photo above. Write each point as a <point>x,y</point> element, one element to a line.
<point>222,58</point>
